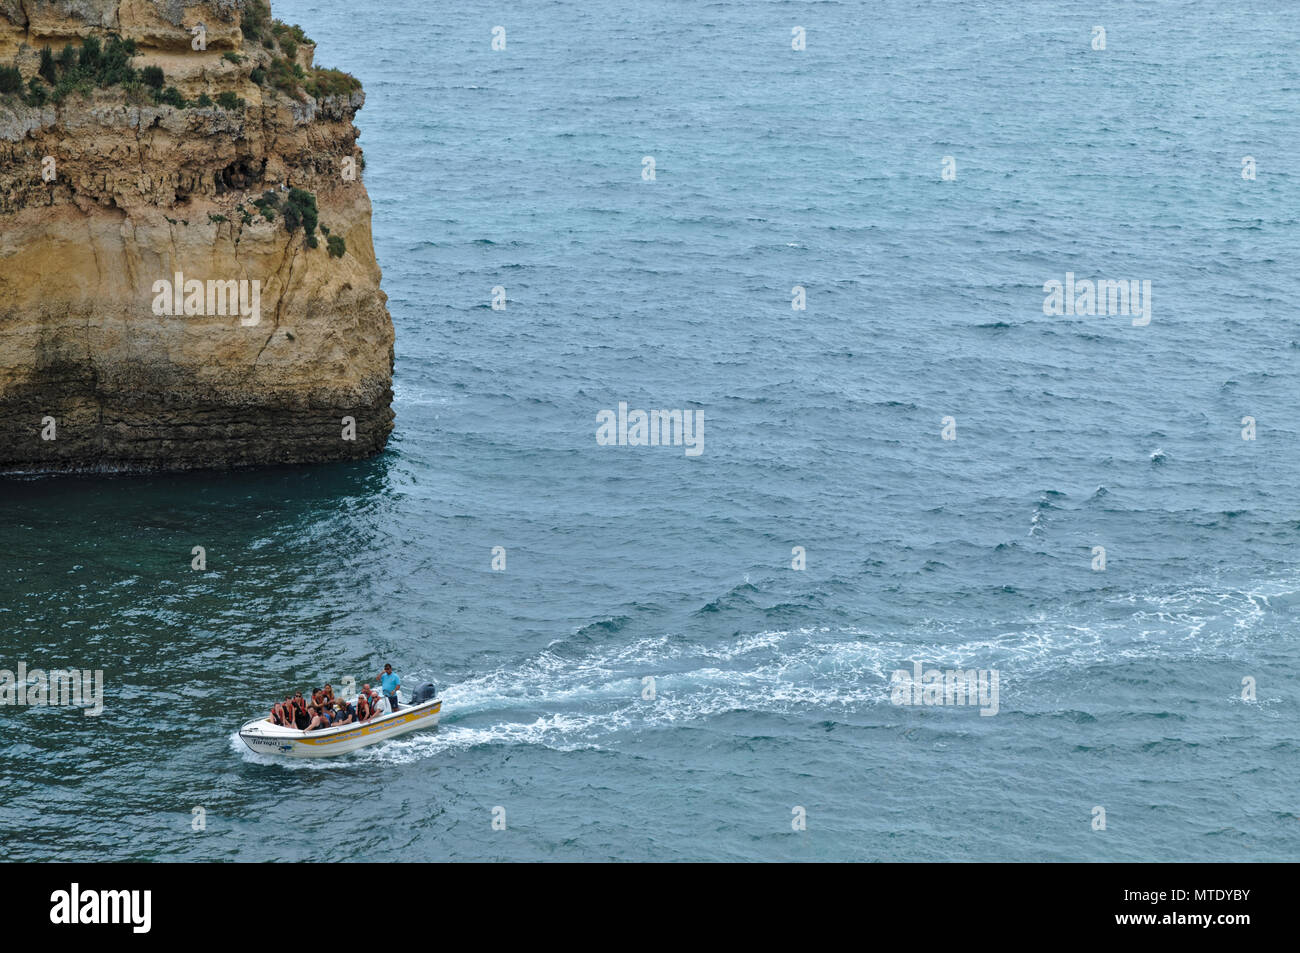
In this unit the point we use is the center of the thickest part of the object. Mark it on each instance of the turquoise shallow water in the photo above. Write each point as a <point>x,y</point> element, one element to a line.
<point>522,168</point>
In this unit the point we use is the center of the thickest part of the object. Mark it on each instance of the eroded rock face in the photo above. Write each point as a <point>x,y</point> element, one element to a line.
<point>102,197</point>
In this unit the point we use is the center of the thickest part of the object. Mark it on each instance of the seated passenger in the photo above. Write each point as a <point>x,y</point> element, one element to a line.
<point>320,720</point>
<point>363,709</point>
<point>277,715</point>
<point>344,714</point>
<point>301,717</point>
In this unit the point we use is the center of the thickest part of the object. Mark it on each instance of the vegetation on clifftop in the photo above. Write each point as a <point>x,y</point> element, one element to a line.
<point>99,65</point>
<point>95,66</point>
<point>284,72</point>
<point>102,65</point>
<point>104,61</point>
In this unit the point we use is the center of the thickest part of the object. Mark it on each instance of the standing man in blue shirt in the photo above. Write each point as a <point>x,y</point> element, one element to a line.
<point>389,682</point>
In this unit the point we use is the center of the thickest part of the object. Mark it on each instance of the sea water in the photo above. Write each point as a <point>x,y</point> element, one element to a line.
<point>646,654</point>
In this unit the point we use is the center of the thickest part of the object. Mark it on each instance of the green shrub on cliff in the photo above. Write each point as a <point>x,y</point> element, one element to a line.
<point>255,18</point>
<point>89,58</point>
<point>68,85</point>
<point>331,82</point>
<point>230,101</point>
<point>337,246</point>
<point>114,64</point>
<point>284,72</point>
<point>33,93</point>
<point>286,75</point>
<point>171,96</point>
<point>152,76</point>
<point>298,210</point>
<point>289,77</point>
<point>96,64</point>
<point>48,71</point>
<point>304,205</point>
<point>291,33</point>
<point>268,205</point>
<point>137,93</point>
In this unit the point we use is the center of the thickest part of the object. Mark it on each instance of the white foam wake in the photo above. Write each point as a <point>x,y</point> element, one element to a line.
<point>588,697</point>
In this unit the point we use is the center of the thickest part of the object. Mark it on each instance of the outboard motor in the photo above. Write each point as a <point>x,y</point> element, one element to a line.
<point>424,693</point>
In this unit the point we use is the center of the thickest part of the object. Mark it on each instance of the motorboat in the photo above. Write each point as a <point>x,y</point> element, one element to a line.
<point>266,737</point>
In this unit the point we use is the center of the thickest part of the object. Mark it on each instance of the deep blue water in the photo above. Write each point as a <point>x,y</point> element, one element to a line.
<point>522,168</point>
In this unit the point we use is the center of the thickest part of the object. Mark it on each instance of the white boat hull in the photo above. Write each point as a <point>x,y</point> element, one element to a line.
<point>267,738</point>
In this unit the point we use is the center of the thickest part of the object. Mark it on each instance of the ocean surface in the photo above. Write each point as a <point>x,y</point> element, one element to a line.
<point>1120,689</point>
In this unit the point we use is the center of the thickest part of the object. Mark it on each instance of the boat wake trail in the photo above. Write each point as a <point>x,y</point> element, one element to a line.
<point>578,693</point>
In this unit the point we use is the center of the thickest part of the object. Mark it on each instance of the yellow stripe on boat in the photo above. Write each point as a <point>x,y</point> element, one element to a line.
<point>371,729</point>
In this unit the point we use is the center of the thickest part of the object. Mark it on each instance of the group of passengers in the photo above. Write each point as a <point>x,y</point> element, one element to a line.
<point>326,711</point>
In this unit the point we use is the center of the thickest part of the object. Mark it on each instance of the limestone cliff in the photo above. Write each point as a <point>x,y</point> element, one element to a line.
<point>145,139</point>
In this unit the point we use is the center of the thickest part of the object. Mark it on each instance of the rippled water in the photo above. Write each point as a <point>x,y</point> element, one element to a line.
<point>1120,689</point>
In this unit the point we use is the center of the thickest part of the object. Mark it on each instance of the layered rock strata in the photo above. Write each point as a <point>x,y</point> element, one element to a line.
<point>187,274</point>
